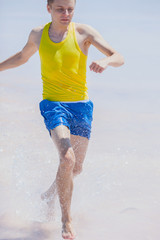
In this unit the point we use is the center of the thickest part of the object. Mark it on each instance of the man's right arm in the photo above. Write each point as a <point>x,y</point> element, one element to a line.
<point>23,56</point>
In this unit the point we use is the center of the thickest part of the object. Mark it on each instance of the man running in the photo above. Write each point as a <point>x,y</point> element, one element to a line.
<point>63,48</point>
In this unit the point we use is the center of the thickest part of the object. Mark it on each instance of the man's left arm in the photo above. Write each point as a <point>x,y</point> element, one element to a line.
<point>113,58</point>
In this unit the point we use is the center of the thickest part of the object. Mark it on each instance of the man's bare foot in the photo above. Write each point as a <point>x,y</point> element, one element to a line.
<point>50,193</point>
<point>49,197</point>
<point>67,231</point>
<point>46,196</point>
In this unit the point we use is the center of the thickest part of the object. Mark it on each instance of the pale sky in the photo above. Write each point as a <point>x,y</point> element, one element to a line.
<point>131,27</point>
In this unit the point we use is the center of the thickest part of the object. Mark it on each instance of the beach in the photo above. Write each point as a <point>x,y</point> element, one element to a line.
<point>117,195</point>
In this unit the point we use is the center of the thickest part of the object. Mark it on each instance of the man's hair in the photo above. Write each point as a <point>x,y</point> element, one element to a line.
<point>51,1</point>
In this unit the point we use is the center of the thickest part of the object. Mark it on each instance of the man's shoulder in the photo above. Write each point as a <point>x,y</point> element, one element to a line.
<point>36,33</point>
<point>86,29</point>
<point>83,27</point>
<point>37,30</point>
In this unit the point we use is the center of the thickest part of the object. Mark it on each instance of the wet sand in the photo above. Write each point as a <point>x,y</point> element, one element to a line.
<point>116,197</point>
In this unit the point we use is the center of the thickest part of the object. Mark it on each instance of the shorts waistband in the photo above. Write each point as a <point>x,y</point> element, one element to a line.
<point>69,101</point>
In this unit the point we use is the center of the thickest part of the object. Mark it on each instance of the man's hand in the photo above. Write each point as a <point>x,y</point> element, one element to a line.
<point>99,66</point>
<point>113,58</point>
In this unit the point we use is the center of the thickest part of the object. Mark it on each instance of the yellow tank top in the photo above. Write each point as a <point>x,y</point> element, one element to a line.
<point>63,67</point>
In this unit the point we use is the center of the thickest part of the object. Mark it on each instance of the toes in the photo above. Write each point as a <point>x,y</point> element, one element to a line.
<point>67,234</point>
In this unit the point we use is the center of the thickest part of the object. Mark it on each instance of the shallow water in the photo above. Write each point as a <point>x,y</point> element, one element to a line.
<point>117,195</point>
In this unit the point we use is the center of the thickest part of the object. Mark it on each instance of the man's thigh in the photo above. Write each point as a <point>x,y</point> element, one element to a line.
<point>61,137</point>
<point>79,145</point>
<point>64,140</point>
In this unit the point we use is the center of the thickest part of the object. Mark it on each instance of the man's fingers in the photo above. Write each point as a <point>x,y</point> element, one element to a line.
<point>101,70</point>
<point>92,66</point>
<point>96,68</point>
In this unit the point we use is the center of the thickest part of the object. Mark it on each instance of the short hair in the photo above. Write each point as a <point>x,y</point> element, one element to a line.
<point>51,1</point>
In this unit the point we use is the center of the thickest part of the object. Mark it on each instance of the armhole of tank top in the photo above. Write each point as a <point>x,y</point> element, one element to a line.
<point>43,34</point>
<point>75,38</point>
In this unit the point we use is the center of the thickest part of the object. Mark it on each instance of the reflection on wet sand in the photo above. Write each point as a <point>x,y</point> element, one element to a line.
<point>117,195</point>
<point>14,228</point>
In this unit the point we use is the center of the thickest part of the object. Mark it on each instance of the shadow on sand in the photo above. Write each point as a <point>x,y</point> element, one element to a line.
<point>14,228</point>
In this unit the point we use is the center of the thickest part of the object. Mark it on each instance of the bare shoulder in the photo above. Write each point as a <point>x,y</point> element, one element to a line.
<point>35,35</point>
<point>37,30</point>
<point>85,29</point>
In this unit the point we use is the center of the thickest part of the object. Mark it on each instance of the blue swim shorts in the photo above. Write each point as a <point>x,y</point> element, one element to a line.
<point>77,116</point>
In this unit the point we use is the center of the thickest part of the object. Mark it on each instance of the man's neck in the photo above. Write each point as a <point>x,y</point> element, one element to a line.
<point>58,29</point>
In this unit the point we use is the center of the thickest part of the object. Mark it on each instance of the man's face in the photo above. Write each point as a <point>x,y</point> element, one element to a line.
<point>62,11</point>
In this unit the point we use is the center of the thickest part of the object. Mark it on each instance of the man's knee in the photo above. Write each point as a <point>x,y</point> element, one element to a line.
<point>67,160</point>
<point>77,170</point>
